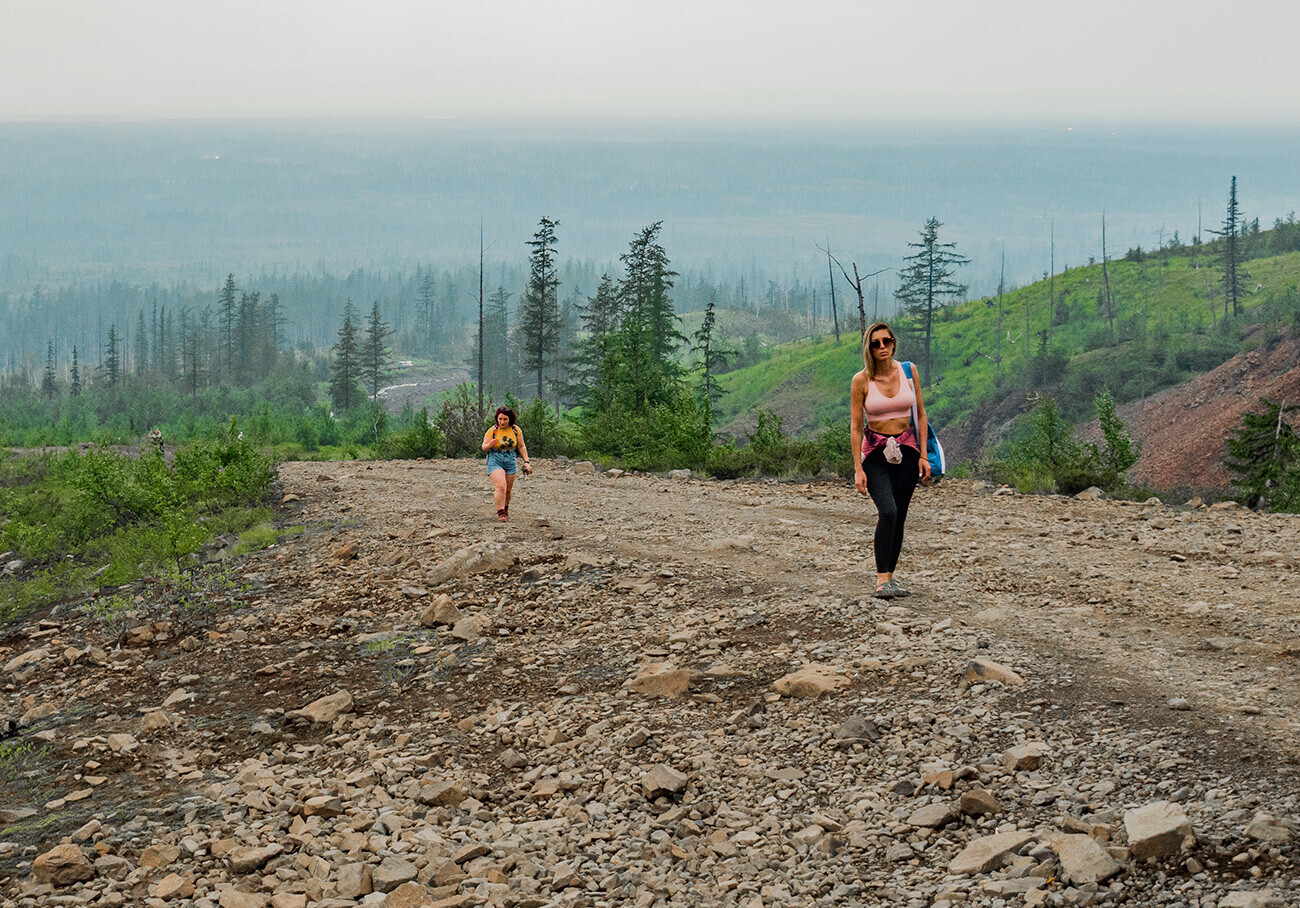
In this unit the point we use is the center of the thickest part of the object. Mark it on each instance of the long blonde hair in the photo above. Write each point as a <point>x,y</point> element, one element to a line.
<point>869,361</point>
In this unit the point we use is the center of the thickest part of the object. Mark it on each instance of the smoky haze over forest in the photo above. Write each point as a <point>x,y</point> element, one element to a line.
<point>195,200</point>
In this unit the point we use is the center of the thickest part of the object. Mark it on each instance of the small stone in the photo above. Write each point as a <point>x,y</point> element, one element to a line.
<point>1025,757</point>
<point>323,806</point>
<point>511,759</point>
<point>157,856</point>
<point>1261,898</point>
<point>393,872</point>
<point>1265,827</point>
<point>978,803</point>
<point>933,816</point>
<point>1083,860</point>
<point>1180,703</point>
<point>441,612</point>
<point>443,793</point>
<point>174,886</point>
<point>663,781</point>
<point>354,881</point>
<point>247,858</point>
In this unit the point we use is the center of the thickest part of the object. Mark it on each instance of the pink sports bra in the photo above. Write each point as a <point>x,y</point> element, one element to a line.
<point>878,407</point>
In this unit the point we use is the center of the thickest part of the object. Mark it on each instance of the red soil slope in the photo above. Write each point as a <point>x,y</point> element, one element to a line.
<point>1184,429</point>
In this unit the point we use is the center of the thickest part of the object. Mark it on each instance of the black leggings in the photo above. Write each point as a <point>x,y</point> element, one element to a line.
<point>890,486</point>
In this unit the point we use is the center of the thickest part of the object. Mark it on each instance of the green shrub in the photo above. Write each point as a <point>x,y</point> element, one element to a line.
<point>460,423</point>
<point>419,438</point>
<point>1264,455</point>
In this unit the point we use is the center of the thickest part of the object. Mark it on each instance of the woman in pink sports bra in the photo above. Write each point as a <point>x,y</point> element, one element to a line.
<point>887,447</point>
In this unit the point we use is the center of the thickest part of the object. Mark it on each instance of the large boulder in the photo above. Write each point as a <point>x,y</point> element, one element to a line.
<point>324,710</point>
<point>1157,830</point>
<point>988,852</point>
<point>662,679</point>
<point>62,865</point>
<point>813,680</point>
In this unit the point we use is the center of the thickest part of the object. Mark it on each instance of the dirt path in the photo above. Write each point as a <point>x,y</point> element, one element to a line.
<point>1112,600</point>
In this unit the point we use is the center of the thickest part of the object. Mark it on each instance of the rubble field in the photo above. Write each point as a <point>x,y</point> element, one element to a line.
<point>665,691</point>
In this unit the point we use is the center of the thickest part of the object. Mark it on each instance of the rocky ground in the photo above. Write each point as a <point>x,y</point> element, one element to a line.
<point>652,691</point>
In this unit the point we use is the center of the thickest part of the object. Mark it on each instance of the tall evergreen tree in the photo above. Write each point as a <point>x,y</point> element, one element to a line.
<point>345,368</point>
<point>598,320</point>
<point>75,377</point>
<point>112,364</point>
<point>141,345</point>
<point>711,356</point>
<point>226,319</point>
<point>644,290</point>
<point>49,383</point>
<point>1231,233</point>
<point>247,318</point>
<point>375,352</point>
<point>539,313</point>
<point>498,370</point>
<point>927,279</point>
<point>191,353</point>
<point>426,318</point>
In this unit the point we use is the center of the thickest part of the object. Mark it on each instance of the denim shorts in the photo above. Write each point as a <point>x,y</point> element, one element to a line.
<point>501,460</point>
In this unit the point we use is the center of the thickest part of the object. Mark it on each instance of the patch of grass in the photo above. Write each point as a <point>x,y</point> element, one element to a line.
<point>263,536</point>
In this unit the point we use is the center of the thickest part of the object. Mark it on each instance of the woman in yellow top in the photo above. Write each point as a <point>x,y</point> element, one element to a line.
<point>502,441</point>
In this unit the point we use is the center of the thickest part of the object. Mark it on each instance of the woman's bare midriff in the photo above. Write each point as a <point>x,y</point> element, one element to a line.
<point>890,426</point>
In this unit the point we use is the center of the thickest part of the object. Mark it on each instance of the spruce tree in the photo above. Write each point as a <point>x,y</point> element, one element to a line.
<point>711,357</point>
<point>644,293</point>
<point>226,317</point>
<point>49,383</point>
<point>498,369</point>
<point>927,279</point>
<point>1264,453</point>
<point>112,358</point>
<point>345,368</point>
<point>598,320</point>
<point>375,352</point>
<point>1231,233</point>
<point>141,345</point>
<point>539,312</point>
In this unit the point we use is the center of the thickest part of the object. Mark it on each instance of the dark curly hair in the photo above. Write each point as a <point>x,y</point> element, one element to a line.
<point>508,412</point>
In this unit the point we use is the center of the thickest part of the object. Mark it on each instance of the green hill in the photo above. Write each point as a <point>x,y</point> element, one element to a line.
<point>1162,331</point>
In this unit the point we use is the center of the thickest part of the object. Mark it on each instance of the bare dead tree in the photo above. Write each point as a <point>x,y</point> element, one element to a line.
<point>856,283</point>
<point>1108,301</point>
<point>835,316</point>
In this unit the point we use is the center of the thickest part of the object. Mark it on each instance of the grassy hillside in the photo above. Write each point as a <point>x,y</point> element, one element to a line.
<point>1162,333</point>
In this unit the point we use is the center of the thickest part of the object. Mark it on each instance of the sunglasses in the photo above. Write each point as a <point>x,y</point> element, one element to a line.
<point>882,342</point>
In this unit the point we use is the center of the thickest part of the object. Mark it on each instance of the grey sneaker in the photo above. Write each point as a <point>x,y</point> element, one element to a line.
<point>898,591</point>
<point>886,590</point>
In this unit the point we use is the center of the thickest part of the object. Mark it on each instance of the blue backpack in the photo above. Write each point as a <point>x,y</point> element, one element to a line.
<point>933,450</point>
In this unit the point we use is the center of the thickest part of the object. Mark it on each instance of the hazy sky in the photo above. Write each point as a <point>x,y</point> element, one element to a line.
<point>1179,59</point>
